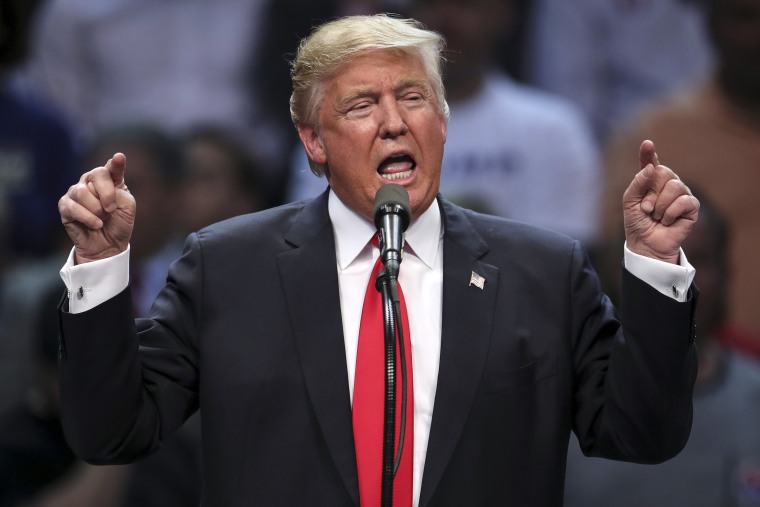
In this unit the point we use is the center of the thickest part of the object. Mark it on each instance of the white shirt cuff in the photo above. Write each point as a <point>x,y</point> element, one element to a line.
<point>673,280</point>
<point>94,282</point>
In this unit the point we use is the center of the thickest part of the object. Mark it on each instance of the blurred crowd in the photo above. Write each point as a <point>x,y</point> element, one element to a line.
<point>549,100</point>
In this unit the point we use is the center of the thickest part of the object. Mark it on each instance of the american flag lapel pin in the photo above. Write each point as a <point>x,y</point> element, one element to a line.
<point>477,280</point>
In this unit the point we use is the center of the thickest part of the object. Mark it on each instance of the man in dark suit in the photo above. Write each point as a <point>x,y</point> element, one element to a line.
<point>513,343</point>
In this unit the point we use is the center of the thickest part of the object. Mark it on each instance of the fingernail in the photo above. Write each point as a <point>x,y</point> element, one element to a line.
<point>111,208</point>
<point>647,207</point>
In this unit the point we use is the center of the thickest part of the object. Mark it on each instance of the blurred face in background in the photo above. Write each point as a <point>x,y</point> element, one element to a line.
<point>215,188</point>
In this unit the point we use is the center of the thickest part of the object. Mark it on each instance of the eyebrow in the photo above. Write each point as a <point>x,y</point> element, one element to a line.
<point>364,91</point>
<point>368,91</point>
<point>412,82</point>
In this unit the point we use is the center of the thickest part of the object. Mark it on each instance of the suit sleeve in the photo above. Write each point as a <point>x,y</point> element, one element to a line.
<point>126,384</point>
<point>633,392</point>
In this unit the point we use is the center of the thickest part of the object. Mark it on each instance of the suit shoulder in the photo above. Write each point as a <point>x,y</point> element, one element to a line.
<point>266,227</point>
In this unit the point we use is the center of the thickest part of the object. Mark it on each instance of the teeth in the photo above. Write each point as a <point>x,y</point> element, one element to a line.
<point>397,176</point>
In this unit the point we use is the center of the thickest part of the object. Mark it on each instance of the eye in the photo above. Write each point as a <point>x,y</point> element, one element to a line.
<point>359,108</point>
<point>413,98</point>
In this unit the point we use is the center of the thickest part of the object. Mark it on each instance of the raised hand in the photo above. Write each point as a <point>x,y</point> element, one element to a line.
<point>658,209</point>
<point>99,212</point>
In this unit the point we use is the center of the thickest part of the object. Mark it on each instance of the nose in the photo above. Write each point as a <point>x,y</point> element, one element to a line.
<point>392,122</point>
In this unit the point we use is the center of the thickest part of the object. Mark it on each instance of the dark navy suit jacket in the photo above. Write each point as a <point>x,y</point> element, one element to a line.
<point>248,328</point>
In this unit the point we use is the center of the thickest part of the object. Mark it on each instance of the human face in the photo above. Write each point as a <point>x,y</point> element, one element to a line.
<point>379,122</point>
<point>213,190</point>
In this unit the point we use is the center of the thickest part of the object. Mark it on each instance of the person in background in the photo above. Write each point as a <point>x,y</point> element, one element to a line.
<point>172,64</point>
<point>38,159</point>
<point>38,153</point>
<point>611,57</point>
<point>712,131</point>
<point>222,179</point>
<point>721,462</point>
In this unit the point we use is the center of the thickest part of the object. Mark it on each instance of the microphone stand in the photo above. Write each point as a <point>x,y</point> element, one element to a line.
<point>388,289</point>
<point>392,214</point>
<point>383,284</point>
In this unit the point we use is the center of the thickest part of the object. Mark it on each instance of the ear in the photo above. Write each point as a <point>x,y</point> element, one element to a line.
<point>313,143</point>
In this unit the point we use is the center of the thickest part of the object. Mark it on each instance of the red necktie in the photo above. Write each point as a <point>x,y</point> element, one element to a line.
<point>369,398</point>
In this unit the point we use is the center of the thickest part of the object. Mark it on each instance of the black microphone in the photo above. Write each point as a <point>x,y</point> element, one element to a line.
<point>392,214</point>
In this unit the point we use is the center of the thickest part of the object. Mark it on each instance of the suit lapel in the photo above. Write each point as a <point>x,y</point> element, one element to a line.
<point>467,319</point>
<point>310,284</point>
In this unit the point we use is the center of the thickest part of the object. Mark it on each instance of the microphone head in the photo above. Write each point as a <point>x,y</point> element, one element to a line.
<point>392,198</point>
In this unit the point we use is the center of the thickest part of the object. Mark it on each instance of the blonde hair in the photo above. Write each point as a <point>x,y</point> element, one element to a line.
<point>336,43</point>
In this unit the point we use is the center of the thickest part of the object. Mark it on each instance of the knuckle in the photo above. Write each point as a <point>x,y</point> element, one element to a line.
<point>95,173</point>
<point>63,206</point>
<point>77,191</point>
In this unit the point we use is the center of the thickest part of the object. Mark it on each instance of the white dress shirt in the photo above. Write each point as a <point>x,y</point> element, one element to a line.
<point>421,278</point>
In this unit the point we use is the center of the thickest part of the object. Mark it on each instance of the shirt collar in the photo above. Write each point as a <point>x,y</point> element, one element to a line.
<point>353,232</point>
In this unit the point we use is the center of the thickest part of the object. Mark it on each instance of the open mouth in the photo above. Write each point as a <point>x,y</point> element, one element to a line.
<point>396,167</point>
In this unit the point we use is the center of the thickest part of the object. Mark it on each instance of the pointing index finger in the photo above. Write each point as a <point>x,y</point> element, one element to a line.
<point>116,167</point>
<point>103,182</point>
<point>647,154</point>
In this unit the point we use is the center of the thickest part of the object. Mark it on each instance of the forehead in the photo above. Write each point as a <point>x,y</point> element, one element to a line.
<point>379,68</point>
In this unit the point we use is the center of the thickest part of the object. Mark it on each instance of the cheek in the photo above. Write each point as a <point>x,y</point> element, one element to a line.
<point>349,146</point>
